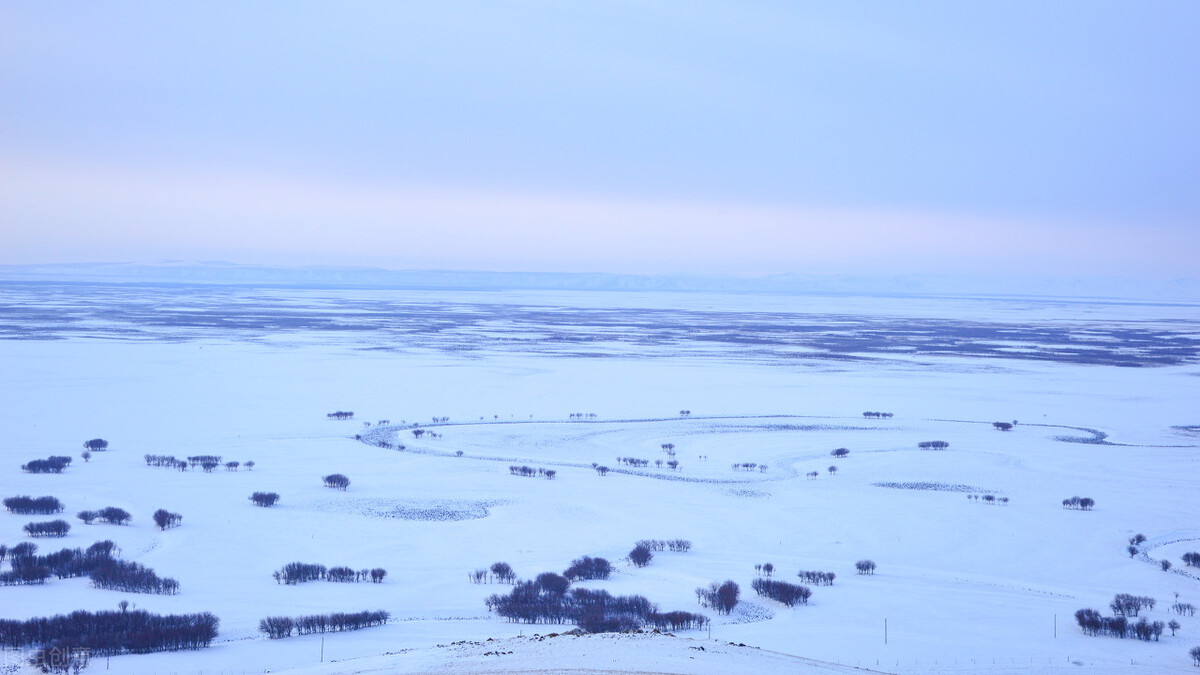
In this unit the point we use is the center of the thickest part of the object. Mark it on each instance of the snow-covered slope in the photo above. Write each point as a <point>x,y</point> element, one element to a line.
<point>581,654</point>
<point>964,586</point>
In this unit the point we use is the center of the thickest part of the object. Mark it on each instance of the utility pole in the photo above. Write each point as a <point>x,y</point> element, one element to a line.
<point>885,631</point>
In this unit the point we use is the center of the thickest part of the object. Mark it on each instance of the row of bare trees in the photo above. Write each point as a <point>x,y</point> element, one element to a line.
<point>48,528</point>
<point>109,633</point>
<point>789,594</point>
<point>26,505</point>
<point>30,568</point>
<point>298,573</point>
<point>277,627</point>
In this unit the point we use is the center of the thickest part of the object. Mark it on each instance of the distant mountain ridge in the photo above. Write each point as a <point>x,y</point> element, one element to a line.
<point>221,273</point>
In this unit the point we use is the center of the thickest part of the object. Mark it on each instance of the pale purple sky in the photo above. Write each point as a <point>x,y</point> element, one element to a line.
<point>737,138</point>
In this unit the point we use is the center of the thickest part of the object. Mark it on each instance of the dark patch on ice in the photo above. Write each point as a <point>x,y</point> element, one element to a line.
<point>934,486</point>
<point>746,492</point>
<point>413,509</point>
<point>1188,429</point>
<point>749,612</point>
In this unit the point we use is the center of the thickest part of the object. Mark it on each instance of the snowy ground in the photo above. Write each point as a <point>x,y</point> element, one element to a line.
<point>964,586</point>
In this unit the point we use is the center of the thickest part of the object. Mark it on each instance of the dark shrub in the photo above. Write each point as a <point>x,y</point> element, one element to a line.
<point>503,572</point>
<point>640,556</point>
<point>114,515</point>
<point>552,583</point>
<point>165,519</point>
<point>586,568</point>
<point>264,499</point>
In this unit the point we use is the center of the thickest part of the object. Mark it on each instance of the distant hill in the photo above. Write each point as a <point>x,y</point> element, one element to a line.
<point>206,273</point>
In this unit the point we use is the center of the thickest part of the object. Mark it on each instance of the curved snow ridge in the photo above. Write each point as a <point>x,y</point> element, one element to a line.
<point>1093,437</point>
<point>574,653</point>
<point>388,437</point>
<point>581,465</point>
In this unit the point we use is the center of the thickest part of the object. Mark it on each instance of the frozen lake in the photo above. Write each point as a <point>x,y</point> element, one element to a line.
<point>1104,394</point>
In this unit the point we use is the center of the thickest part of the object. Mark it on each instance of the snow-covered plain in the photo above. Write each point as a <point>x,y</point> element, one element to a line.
<point>249,374</point>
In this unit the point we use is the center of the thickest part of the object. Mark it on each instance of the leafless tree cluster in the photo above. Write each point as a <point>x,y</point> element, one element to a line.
<point>52,464</point>
<point>26,505</point>
<point>131,577</point>
<point>109,514</point>
<point>165,519</point>
<point>720,597</point>
<point>818,578</point>
<point>530,472</point>
<point>1081,503</point>
<point>337,480</point>
<point>264,499</point>
<point>1091,622</point>
<point>789,594</point>
<point>298,573</point>
<point>111,633</point>
<point>677,545</point>
<point>277,627</point>
<point>48,528</point>
<point>587,568</point>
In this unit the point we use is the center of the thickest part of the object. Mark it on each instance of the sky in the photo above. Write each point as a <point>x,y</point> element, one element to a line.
<point>738,138</point>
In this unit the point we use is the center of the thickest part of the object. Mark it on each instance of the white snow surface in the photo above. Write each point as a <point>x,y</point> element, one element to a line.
<point>963,586</point>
